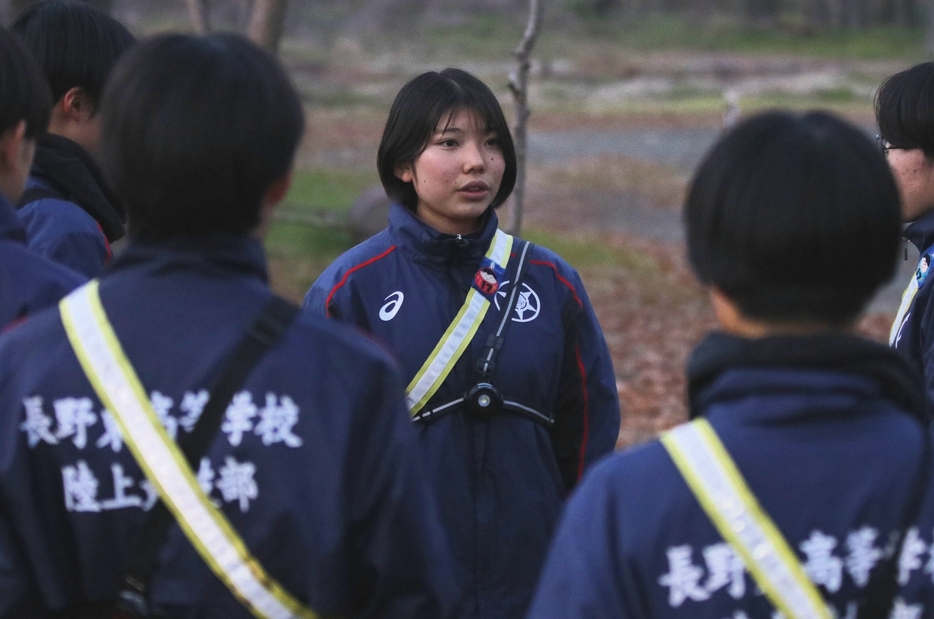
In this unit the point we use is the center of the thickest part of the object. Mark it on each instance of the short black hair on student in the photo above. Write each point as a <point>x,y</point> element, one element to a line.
<point>75,44</point>
<point>795,218</point>
<point>905,108</point>
<point>24,95</point>
<point>420,105</point>
<point>194,131</point>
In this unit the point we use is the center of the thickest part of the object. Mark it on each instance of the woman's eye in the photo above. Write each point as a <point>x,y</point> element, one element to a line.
<point>448,142</point>
<point>492,142</point>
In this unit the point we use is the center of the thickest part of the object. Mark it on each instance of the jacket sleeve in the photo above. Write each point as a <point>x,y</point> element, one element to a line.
<point>316,300</point>
<point>405,568</point>
<point>587,414</point>
<point>582,576</point>
<point>64,233</point>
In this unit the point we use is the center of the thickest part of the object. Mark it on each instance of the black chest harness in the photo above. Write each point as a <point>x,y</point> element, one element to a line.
<point>483,399</point>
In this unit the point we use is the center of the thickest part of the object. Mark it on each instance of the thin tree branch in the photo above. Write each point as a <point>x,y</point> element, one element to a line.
<point>519,87</point>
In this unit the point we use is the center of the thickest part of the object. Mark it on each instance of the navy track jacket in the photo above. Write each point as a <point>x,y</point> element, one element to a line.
<point>914,338</point>
<point>28,282</point>
<point>314,464</point>
<point>76,223</point>
<point>500,481</point>
<point>827,432</point>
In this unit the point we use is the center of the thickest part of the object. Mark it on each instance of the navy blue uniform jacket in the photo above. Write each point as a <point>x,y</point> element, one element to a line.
<point>28,282</point>
<point>500,482</point>
<point>330,498</point>
<point>915,336</point>
<point>826,432</point>
<point>77,218</point>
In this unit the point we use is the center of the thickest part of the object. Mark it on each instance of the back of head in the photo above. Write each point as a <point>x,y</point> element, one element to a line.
<point>905,108</point>
<point>24,94</point>
<point>76,45</point>
<point>194,131</point>
<point>416,111</point>
<point>795,218</point>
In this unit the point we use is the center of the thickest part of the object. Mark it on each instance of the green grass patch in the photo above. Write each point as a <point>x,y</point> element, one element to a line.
<point>682,32</point>
<point>587,252</point>
<point>327,190</point>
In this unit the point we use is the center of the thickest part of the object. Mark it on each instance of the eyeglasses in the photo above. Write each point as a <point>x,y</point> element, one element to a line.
<point>886,147</point>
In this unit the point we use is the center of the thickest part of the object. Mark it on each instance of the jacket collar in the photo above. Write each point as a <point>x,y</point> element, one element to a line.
<point>720,353</point>
<point>69,169</point>
<point>920,232</point>
<point>10,227</point>
<point>219,255</point>
<point>425,244</point>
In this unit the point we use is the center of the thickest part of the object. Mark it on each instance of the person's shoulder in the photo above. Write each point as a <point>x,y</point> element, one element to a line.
<point>336,341</point>
<point>369,252</point>
<point>636,469</point>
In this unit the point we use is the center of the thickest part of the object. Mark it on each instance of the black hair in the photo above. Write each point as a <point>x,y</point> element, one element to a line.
<point>24,95</point>
<point>904,107</point>
<point>414,116</point>
<point>795,218</point>
<point>194,131</point>
<point>75,45</point>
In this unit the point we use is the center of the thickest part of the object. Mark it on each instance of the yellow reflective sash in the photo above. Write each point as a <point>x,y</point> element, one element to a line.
<point>120,391</point>
<point>722,492</point>
<point>458,335</point>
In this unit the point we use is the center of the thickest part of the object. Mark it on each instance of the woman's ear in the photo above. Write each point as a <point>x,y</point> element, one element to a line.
<point>405,172</point>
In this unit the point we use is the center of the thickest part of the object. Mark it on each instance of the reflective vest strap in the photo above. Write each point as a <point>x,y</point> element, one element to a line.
<point>457,336</point>
<point>115,381</point>
<point>720,489</point>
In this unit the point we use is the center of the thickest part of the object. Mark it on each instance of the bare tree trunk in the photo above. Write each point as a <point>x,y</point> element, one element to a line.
<point>266,22</point>
<point>519,86</point>
<point>198,10</point>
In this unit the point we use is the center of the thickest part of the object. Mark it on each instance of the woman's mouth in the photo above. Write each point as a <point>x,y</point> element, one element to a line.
<point>475,189</point>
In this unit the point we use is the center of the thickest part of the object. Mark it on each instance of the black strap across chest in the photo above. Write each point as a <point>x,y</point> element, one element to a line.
<point>263,334</point>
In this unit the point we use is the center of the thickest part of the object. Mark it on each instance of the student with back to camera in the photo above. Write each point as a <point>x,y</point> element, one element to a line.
<point>304,495</point>
<point>513,395</point>
<point>27,282</point>
<point>69,213</point>
<point>905,115</point>
<point>806,467</point>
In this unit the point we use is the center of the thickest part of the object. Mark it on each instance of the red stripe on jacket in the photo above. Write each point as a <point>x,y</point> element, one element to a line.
<point>580,366</point>
<point>561,279</point>
<point>327,304</point>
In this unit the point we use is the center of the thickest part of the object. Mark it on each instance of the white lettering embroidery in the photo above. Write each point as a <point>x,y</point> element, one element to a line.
<point>162,404</point>
<point>74,416</point>
<point>152,495</point>
<point>910,559</point>
<point>206,478</point>
<point>683,577</point>
<point>239,416</point>
<point>725,567</point>
<point>121,484</point>
<point>192,405</point>
<point>900,610</point>
<point>237,483</point>
<point>112,436</point>
<point>277,421</point>
<point>863,554</point>
<point>80,488</point>
<point>822,566</point>
<point>37,424</point>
